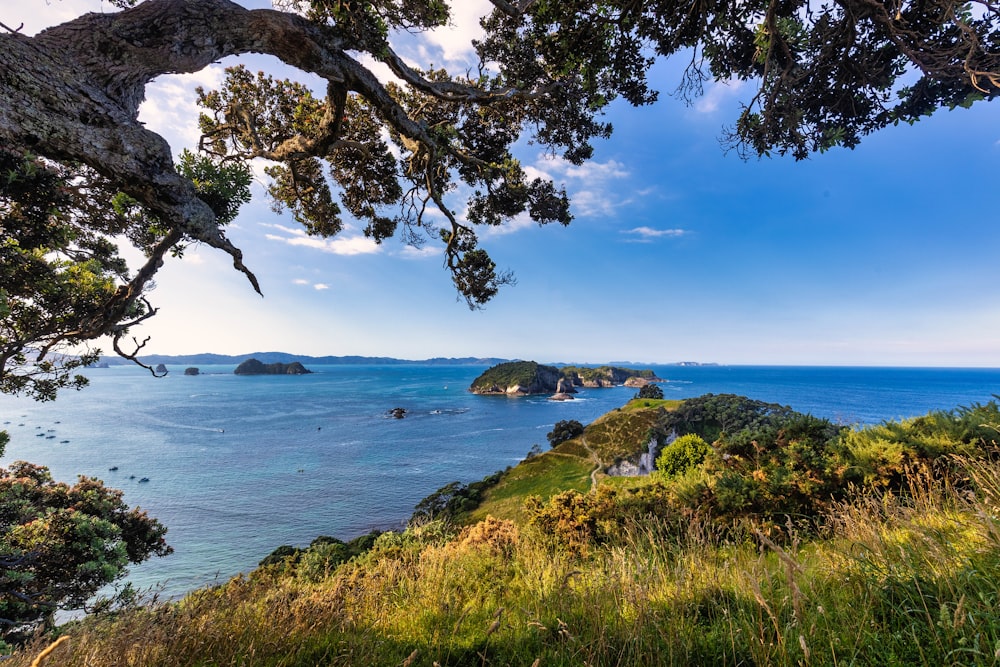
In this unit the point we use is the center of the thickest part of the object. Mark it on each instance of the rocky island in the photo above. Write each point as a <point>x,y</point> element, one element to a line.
<point>255,367</point>
<point>525,378</point>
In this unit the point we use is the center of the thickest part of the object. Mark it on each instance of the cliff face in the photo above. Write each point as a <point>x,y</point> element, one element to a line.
<point>609,376</point>
<point>255,367</point>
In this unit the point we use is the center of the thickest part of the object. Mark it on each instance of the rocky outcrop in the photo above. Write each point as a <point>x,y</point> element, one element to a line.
<point>608,376</point>
<point>160,368</point>
<point>255,367</point>
<point>191,371</point>
<point>564,390</point>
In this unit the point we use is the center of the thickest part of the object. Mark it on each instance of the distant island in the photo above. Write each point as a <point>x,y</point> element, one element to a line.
<point>257,367</point>
<point>525,378</point>
<point>213,359</point>
<point>209,359</point>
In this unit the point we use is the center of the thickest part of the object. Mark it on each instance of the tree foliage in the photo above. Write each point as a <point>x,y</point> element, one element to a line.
<point>428,156</point>
<point>713,415</point>
<point>650,391</point>
<point>454,499</point>
<point>683,454</point>
<point>779,468</point>
<point>563,430</point>
<point>60,543</point>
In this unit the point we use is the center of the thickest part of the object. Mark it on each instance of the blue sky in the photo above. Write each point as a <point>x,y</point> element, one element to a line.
<point>884,255</point>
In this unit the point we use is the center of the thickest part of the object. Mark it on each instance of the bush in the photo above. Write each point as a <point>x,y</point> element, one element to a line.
<point>683,454</point>
<point>564,430</point>
<point>652,391</point>
<point>455,498</point>
<point>60,544</point>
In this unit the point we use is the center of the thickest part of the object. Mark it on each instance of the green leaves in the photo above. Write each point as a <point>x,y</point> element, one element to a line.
<point>57,268</point>
<point>59,544</point>
<point>224,186</point>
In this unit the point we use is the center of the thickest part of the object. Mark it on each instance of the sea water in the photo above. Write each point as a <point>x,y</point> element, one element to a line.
<point>238,465</point>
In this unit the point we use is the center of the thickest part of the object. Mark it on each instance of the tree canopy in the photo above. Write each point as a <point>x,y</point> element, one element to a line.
<point>59,544</point>
<point>405,154</point>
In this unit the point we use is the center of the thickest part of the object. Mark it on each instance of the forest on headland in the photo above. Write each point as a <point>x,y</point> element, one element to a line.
<point>764,536</point>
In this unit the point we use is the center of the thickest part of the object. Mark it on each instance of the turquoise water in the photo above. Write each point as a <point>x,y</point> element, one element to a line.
<point>240,465</point>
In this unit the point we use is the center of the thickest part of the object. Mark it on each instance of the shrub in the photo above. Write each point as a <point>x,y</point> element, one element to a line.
<point>564,430</point>
<point>650,391</point>
<point>683,454</point>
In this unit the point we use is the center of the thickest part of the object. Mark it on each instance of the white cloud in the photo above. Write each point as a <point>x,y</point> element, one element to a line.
<point>339,245</point>
<point>648,234</point>
<point>718,92</point>
<point>455,40</point>
<point>522,221</point>
<point>171,109</point>
<point>550,166</point>
<point>36,16</point>
<point>428,250</point>
<point>307,283</point>
<point>589,185</point>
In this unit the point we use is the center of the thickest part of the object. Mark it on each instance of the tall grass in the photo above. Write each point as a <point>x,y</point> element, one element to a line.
<point>910,579</point>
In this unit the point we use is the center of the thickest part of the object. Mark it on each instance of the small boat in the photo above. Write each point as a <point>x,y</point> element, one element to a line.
<point>113,469</point>
<point>144,479</point>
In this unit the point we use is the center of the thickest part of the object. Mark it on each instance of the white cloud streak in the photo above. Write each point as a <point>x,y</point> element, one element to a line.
<point>590,185</point>
<point>649,234</point>
<point>340,245</point>
<point>718,93</point>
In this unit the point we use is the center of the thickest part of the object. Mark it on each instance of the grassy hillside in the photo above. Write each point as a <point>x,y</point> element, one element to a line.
<point>900,566</point>
<point>620,433</point>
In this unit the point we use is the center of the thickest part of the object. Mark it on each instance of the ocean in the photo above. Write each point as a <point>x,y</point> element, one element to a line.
<point>239,465</point>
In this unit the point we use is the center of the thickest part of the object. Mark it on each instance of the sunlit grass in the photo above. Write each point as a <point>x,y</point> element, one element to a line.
<point>893,581</point>
<point>907,574</point>
<point>544,476</point>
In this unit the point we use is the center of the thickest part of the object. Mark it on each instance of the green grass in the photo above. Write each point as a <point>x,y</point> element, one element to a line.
<point>544,475</point>
<point>910,577</point>
<point>624,433</point>
<point>910,581</point>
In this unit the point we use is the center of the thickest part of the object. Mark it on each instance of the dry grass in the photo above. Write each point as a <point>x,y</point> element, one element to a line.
<point>912,580</point>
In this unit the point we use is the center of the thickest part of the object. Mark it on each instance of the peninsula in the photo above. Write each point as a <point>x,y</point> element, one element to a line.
<point>525,378</point>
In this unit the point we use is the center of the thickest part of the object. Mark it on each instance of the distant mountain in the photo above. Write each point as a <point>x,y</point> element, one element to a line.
<point>208,358</point>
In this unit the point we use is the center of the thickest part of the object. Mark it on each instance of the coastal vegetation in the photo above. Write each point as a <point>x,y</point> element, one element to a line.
<point>61,543</point>
<point>785,540</point>
<point>530,377</point>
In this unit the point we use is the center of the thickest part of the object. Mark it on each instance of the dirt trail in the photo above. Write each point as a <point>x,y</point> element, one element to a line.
<point>596,460</point>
